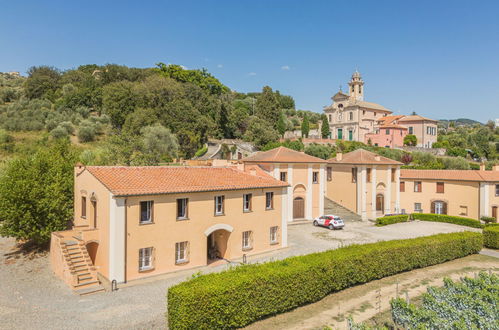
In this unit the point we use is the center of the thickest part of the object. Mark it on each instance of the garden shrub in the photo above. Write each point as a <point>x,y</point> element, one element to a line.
<point>488,219</point>
<point>86,133</point>
<point>247,293</point>
<point>448,219</point>
<point>201,151</point>
<point>491,237</point>
<point>59,132</point>
<point>391,219</point>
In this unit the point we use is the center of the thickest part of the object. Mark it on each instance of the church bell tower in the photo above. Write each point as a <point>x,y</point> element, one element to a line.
<point>356,85</point>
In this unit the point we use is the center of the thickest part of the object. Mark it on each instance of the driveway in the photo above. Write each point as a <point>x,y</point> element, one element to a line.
<point>33,298</point>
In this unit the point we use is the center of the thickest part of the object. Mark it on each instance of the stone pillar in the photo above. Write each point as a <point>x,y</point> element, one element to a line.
<point>373,192</point>
<point>276,172</point>
<point>397,190</point>
<point>290,192</point>
<point>364,192</point>
<point>388,192</point>
<point>322,179</point>
<point>284,220</point>
<point>308,202</point>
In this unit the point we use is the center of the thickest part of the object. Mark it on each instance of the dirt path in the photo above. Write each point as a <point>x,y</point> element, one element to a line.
<point>362,301</point>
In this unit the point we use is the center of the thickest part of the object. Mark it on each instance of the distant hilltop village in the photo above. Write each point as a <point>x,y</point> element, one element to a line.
<point>353,119</point>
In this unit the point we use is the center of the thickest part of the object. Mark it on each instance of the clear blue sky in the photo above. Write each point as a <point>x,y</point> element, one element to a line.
<point>438,58</point>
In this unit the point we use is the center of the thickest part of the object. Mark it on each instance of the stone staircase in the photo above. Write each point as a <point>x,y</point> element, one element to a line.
<point>83,279</point>
<point>331,207</point>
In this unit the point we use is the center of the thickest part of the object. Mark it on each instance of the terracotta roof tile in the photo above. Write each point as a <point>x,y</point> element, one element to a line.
<point>364,157</point>
<point>149,180</point>
<point>282,155</point>
<point>454,175</point>
<point>416,118</point>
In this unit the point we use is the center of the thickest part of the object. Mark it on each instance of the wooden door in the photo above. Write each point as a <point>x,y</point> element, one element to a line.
<point>494,212</point>
<point>298,208</point>
<point>380,202</point>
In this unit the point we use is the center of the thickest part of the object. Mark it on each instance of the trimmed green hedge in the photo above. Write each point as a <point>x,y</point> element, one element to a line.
<point>245,294</point>
<point>448,219</point>
<point>491,237</point>
<point>391,219</point>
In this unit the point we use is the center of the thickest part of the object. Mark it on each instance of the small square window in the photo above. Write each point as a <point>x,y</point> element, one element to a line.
<point>440,187</point>
<point>417,208</point>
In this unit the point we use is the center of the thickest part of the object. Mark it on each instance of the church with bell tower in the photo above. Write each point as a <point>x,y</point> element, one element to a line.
<point>350,117</point>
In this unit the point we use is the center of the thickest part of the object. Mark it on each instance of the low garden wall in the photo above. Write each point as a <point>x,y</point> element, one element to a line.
<point>245,294</point>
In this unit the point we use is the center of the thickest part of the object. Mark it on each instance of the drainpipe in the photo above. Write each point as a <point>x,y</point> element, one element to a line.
<point>126,239</point>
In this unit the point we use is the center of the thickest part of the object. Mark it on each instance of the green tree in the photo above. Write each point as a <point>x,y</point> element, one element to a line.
<point>267,106</point>
<point>281,125</point>
<point>36,193</point>
<point>119,101</point>
<point>42,81</point>
<point>325,132</point>
<point>260,132</point>
<point>319,150</point>
<point>158,142</point>
<point>410,140</point>
<point>305,126</point>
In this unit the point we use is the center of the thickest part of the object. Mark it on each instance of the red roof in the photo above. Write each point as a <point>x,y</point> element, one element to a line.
<point>451,175</point>
<point>152,180</point>
<point>363,157</point>
<point>282,155</point>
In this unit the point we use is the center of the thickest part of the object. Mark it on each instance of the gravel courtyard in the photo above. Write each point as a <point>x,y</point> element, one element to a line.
<point>32,298</point>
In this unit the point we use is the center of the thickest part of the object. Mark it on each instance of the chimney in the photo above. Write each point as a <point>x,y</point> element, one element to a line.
<point>482,167</point>
<point>339,156</point>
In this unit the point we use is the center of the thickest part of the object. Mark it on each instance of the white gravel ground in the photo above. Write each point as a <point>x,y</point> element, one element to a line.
<point>31,297</point>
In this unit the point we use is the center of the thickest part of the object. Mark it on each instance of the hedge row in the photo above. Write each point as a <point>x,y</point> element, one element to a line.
<point>491,237</point>
<point>447,218</point>
<point>391,219</point>
<point>245,294</point>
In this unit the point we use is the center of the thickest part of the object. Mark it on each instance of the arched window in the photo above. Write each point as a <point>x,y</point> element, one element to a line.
<point>439,207</point>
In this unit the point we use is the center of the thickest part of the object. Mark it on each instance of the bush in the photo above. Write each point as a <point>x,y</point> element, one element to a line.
<point>491,237</point>
<point>448,219</point>
<point>488,219</point>
<point>242,295</point>
<point>201,151</point>
<point>391,219</point>
<point>59,132</point>
<point>86,133</point>
<point>5,137</point>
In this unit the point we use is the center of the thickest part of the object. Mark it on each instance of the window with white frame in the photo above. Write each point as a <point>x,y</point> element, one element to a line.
<point>145,258</point>
<point>417,207</point>
<point>181,252</point>
<point>182,204</point>
<point>269,200</point>
<point>247,202</point>
<point>247,240</point>
<point>273,234</point>
<point>146,212</point>
<point>219,205</point>
<point>315,177</point>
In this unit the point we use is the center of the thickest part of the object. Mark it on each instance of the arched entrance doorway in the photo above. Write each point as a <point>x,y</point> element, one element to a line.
<point>380,203</point>
<point>217,238</point>
<point>92,250</point>
<point>298,208</point>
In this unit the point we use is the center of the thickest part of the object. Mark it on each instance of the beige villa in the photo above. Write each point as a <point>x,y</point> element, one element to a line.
<point>136,222</point>
<point>353,119</point>
<point>364,183</point>
<point>464,193</point>
<point>305,175</point>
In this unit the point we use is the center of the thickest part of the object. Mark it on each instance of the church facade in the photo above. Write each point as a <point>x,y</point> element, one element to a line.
<point>353,119</point>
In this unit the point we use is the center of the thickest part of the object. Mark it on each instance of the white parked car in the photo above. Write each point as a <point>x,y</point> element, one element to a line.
<point>330,221</point>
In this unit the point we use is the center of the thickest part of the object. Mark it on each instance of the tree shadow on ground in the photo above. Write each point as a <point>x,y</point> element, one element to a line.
<point>25,250</point>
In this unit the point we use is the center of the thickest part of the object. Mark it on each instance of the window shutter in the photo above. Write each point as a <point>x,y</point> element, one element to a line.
<point>432,207</point>
<point>444,208</point>
<point>188,250</point>
<point>278,234</point>
<point>251,239</point>
<point>153,257</point>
